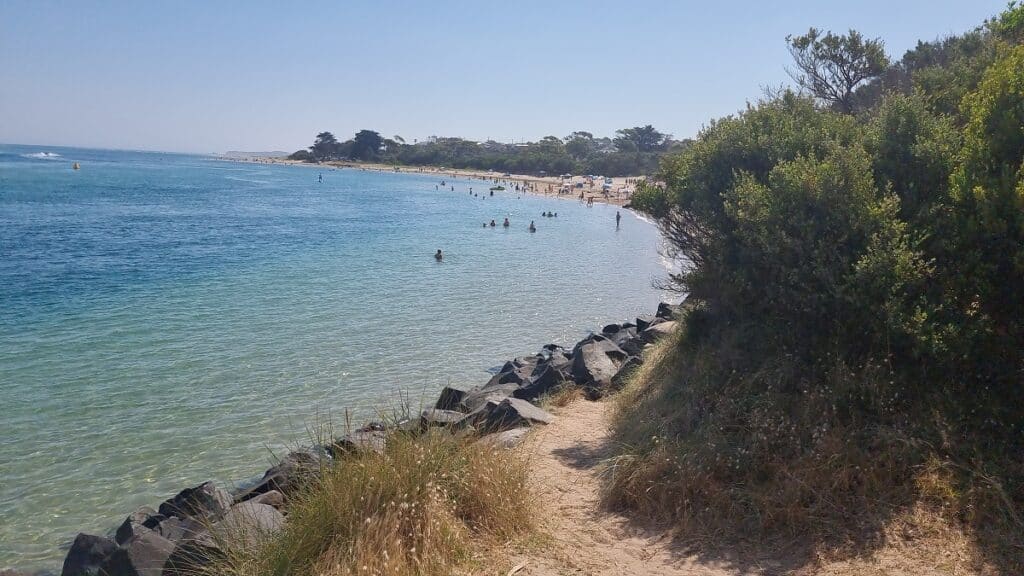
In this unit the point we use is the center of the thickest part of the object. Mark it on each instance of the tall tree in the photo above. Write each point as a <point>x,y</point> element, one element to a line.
<point>366,145</point>
<point>831,66</point>
<point>640,138</point>
<point>324,147</point>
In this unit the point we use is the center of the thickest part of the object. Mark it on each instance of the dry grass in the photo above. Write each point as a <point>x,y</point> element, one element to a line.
<point>430,505</point>
<point>832,466</point>
<point>560,397</point>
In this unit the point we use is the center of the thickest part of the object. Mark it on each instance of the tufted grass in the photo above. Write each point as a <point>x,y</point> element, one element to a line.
<point>431,504</point>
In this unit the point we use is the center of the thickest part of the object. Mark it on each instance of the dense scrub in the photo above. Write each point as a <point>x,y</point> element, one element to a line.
<point>855,347</point>
<point>429,504</point>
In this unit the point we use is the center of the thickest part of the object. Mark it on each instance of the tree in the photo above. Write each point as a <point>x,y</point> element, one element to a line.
<point>367,145</point>
<point>324,147</point>
<point>640,138</point>
<point>831,67</point>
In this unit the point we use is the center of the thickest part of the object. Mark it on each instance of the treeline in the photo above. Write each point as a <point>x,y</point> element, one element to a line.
<point>634,151</point>
<point>853,252</point>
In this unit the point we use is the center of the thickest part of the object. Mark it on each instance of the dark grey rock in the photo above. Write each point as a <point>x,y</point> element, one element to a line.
<point>478,397</point>
<point>548,380</point>
<point>287,476</point>
<point>87,554</point>
<point>451,397</point>
<point>143,555</point>
<point>514,413</point>
<point>143,518</point>
<point>596,363</point>
<point>444,418</point>
<point>668,311</point>
<point>611,329</point>
<point>247,524</point>
<point>645,322</point>
<point>203,501</point>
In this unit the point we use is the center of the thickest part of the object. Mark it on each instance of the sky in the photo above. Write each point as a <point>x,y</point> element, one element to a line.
<point>213,76</point>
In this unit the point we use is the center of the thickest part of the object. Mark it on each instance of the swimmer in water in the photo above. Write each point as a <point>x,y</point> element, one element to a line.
<point>438,256</point>
<point>493,224</point>
<point>532,227</point>
<point>506,224</point>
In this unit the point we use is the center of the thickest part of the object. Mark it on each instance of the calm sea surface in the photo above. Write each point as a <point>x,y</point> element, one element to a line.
<point>168,319</point>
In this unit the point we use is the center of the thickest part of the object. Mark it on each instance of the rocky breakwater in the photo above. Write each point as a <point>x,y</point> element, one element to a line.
<point>200,523</point>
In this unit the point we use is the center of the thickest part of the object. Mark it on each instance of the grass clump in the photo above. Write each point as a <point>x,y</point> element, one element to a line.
<point>428,505</point>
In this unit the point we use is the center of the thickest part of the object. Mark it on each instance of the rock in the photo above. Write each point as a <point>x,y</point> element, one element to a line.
<point>372,427</point>
<point>289,474</point>
<point>596,363</point>
<point>549,379</point>
<point>507,439</point>
<point>513,413</point>
<point>611,329</point>
<point>556,359</point>
<point>359,441</point>
<point>445,418</point>
<point>143,555</point>
<point>659,331</point>
<point>175,529</point>
<point>668,311</point>
<point>247,524</point>
<point>144,518</point>
<point>478,397</point>
<point>203,501</point>
<point>645,322</point>
<point>87,554</point>
<point>272,498</point>
<point>451,397</point>
<point>515,371</point>
<point>627,368</point>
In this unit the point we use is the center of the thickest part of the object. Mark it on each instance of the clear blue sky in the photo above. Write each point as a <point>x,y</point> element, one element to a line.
<point>215,75</point>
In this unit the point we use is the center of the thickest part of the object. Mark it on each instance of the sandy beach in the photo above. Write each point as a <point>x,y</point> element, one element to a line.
<point>618,192</point>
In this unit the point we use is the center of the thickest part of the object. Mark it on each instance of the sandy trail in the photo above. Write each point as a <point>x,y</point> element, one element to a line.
<point>565,457</point>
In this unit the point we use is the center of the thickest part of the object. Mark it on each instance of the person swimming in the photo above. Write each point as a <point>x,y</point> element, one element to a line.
<point>493,224</point>
<point>506,224</point>
<point>438,256</point>
<point>532,227</point>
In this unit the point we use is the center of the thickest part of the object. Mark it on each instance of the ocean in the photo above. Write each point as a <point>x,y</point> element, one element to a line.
<point>166,319</point>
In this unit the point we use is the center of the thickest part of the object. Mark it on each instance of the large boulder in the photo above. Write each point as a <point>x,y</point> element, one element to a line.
<point>288,475</point>
<point>143,555</point>
<point>87,554</point>
<point>596,363</point>
<point>143,518</point>
<point>515,371</point>
<point>645,322</point>
<point>443,418</point>
<point>204,501</point>
<point>669,311</point>
<point>659,331</point>
<point>548,380</point>
<point>272,498</point>
<point>479,397</point>
<point>451,397</point>
<point>247,524</point>
<point>515,413</point>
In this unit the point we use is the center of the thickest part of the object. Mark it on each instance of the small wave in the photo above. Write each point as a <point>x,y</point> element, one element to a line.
<point>42,156</point>
<point>250,180</point>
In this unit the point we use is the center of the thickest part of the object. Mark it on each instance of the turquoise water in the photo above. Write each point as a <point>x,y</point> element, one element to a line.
<point>167,319</point>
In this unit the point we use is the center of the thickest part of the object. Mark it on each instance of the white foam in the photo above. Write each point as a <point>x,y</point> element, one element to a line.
<point>42,156</point>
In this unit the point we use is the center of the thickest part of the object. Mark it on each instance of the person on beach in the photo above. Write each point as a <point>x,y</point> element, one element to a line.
<point>438,256</point>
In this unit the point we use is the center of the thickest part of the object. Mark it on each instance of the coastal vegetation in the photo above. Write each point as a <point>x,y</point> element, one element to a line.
<point>426,505</point>
<point>633,151</point>
<point>850,372</point>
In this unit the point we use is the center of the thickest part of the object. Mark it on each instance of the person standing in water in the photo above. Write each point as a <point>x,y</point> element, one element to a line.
<point>320,178</point>
<point>438,256</point>
<point>618,217</point>
<point>532,227</point>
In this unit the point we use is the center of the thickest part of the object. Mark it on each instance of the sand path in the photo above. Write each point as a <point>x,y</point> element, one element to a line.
<point>587,539</point>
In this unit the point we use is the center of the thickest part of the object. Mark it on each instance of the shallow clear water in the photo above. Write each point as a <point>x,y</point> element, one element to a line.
<point>167,319</point>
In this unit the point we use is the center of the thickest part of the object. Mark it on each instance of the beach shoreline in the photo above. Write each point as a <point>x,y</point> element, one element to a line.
<point>620,192</point>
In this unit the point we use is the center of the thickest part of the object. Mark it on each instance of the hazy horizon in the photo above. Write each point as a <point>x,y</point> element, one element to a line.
<point>254,77</point>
